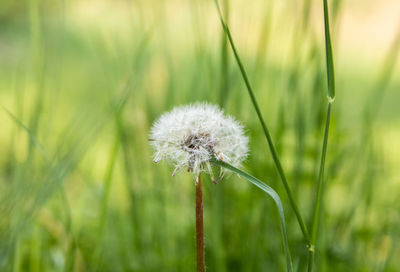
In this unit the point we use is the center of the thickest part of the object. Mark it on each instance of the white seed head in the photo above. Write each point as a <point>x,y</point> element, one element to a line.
<point>189,136</point>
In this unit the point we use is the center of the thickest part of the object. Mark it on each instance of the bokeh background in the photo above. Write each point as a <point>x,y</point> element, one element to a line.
<point>82,81</point>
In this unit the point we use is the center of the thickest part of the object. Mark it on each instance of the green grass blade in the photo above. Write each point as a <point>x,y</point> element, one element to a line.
<point>330,69</point>
<point>271,192</point>
<point>32,137</point>
<point>321,176</point>
<point>265,128</point>
<point>319,193</point>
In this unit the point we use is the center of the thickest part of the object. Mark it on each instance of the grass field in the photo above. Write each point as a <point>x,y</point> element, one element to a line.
<point>81,83</point>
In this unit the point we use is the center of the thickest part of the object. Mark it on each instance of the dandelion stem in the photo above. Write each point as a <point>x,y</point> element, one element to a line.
<point>201,266</point>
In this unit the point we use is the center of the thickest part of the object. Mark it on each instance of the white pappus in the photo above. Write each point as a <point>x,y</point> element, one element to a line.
<point>189,136</point>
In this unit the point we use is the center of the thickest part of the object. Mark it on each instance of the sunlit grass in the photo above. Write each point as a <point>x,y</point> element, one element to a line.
<point>65,68</point>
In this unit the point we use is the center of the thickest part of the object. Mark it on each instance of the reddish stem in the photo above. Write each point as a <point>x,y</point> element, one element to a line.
<point>201,266</point>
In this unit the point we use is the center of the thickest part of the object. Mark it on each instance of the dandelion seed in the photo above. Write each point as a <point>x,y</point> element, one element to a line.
<point>189,136</point>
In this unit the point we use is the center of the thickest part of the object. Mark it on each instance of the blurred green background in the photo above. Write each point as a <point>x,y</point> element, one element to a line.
<point>82,81</point>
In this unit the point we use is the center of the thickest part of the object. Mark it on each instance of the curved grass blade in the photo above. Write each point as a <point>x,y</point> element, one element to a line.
<point>271,192</point>
<point>271,145</point>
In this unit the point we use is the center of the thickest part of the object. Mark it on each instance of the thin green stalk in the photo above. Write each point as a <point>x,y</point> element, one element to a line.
<point>330,73</point>
<point>265,129</point>
<point>318,200</point>
<point>271,192</point>
<point>330,69</point>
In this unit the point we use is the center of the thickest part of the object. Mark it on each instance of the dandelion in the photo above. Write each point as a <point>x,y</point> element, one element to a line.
<point>189,136</point>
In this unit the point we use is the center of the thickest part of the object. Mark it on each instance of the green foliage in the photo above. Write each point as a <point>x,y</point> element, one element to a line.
<point>81,83</point>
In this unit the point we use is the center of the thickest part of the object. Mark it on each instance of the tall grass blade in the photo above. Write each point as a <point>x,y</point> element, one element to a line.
<point>321,175</point>
<point>331,97</point>
<point>319,193</point>
<point>264,127</point>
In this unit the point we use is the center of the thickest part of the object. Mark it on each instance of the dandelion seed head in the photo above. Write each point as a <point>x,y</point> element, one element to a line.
<point>189,136</point>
